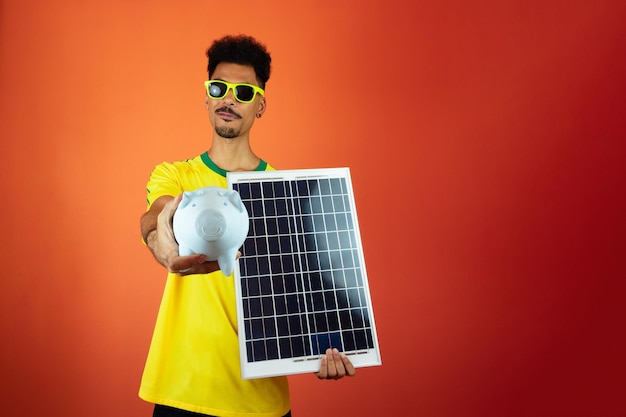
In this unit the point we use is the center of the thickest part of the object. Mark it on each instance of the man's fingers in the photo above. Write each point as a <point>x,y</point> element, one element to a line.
<point>335,365</point>
<point>322,374</point>
<point>205,268</point>
<point>194,264</point>
<point>186,264</point>
<point>332,363</point>
<point>170,207</point>
<point>340,364</point>
<point>350,370</point>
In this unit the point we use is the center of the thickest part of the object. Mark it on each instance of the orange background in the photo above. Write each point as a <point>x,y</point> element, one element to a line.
<point>486,145</point>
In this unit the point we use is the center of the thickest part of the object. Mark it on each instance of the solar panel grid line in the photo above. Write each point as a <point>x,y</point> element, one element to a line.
<point>282,269</point>
<point>304,255</point>
<point>322,318</point>
<point>307,316</point>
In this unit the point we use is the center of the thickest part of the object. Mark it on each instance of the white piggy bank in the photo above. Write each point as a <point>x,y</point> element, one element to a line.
<point>212,221</point>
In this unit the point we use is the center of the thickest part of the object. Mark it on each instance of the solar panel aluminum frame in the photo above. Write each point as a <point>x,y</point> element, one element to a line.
<point>360,356</point>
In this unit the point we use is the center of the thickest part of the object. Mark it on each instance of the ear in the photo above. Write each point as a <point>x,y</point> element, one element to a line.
<point>206,102</point>
<point>262,107</point>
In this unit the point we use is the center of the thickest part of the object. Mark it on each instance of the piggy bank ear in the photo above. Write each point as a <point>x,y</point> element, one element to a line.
<point>186,199</point>
<point>235,200</point>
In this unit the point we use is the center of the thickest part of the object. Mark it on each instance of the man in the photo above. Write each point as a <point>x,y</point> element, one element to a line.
<point>193,363</point>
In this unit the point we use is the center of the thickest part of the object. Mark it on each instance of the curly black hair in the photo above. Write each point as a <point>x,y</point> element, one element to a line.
<point>243,50</point>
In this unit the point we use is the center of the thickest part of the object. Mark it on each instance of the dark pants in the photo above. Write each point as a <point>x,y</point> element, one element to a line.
<point>165,411</point>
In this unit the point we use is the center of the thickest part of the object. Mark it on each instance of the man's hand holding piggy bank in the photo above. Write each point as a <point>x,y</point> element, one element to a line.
<point>212,221</point>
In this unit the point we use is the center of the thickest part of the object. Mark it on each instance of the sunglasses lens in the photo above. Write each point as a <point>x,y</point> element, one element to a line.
<point>244,92</point>
<point>217,89</point>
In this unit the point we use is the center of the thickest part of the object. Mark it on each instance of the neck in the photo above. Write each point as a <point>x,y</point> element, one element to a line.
<point>233,154</point>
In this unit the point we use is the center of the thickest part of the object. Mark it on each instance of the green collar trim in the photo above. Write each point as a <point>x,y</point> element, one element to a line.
<point>209,163</point>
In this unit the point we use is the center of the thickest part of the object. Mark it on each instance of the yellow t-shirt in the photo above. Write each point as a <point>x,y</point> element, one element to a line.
<point>193,362</point>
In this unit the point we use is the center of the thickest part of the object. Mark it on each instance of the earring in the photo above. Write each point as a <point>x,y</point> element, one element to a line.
<point>258,115</point>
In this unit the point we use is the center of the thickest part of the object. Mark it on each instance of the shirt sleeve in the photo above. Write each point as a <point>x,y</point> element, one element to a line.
<point>164,180</point>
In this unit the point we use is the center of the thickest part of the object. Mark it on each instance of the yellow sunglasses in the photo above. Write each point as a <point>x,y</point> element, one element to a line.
<point>244,93</point>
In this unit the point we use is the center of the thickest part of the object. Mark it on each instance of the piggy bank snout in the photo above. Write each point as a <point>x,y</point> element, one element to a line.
<point>210,225</point>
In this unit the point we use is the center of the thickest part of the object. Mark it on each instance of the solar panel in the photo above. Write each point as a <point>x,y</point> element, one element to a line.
<point>301,283</point>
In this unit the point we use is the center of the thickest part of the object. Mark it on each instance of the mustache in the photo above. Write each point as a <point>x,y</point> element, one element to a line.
<point>227,109</point>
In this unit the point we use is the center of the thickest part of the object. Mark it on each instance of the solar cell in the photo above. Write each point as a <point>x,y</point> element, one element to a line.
<point>301,283</point>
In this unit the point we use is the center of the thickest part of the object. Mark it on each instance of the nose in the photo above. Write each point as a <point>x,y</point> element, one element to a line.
<point>230,96</point>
